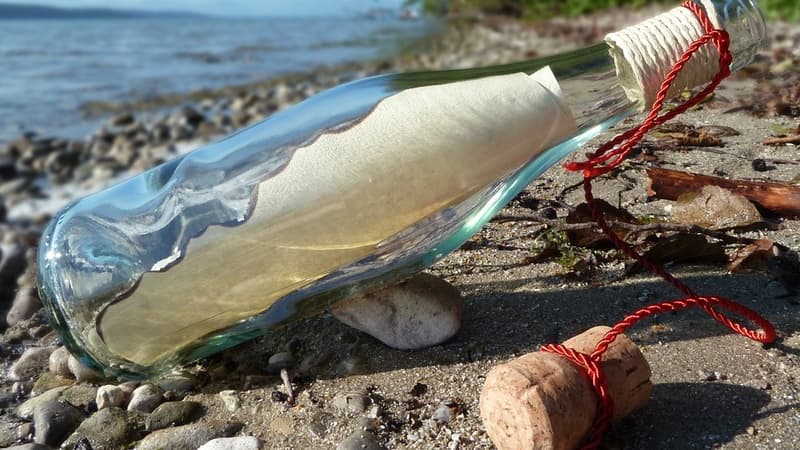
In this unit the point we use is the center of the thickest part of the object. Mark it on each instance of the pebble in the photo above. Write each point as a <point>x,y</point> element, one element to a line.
<point>47,381</point>
<point>232,443</point>
<point>81,372</point>
<point>128,387</point>
<point>122,120</point>
<point>53,421</point>
<point>21,387</point>
<point>360,440</point>
<point>231,400</point>
<point>443,413</point>
<point>279,361</point>
<point>417,313</point>
<point>181,384</point>
<point>188,437</point>
<point>12,260</point>
<point>7,399</point>
<point>31,363</point>
<point>26,303</point>
<point>25,431</point>
<point>59,362</point>
<point>170,414</point>
<point>81,395</point>
<point>110,396</point>
<point>351,402</point>
<point>26,409</point>
<point>106,429</point>
<point>30,447</point>
<point>146,398</point>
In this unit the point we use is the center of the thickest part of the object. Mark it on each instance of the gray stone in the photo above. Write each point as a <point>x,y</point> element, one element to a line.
<point>25,431</point>
<point>31,363</point>
<point>107,429</point>
<point>30,447</point>
<point>80,395</point>
<point>26,409</point>
<point>54,421</point>
<point>360,440</point>
<point>47,381</point>
<point>170,414</point>
<point>7,399</point>
<point>21,387</point>
<point>26,303</point>
<point>188,437</point>
<point>417,313</point>
<point>110,396</point>
<point>12,260</point>
<point>278,361</point>
<point>122,120</point>
<point>59,362</point>
<point>146,398</point>
<point>128,387</point>
<point>232,443</point>
<point>181,384</point>
<point>81,371</point>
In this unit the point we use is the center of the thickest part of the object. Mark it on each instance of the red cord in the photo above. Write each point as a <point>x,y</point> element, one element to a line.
<point>605,159</point>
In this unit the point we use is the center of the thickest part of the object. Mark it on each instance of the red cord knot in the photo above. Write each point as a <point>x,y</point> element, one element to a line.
<point>607,158</point>
<point>590,367</point>
<point>613,153</point>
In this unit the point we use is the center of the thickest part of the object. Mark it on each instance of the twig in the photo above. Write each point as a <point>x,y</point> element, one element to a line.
<point>783,140</point>
<point>634,228</point>
<point>287,383</point>
<point>780,198</point>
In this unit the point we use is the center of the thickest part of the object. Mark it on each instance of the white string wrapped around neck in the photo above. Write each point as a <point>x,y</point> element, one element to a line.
<point>646,52</point>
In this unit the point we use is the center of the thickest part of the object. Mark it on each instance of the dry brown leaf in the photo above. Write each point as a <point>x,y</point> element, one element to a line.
<point>683,248</point>
<point>715,208</point>
<point>593,237</point>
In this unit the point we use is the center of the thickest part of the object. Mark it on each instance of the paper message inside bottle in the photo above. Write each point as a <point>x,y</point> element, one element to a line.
<point>417,152</point>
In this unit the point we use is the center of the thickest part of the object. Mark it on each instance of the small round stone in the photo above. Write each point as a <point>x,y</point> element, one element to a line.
<point>188,437</point>
<point>110,396</point>
<point>26,409</point>
<point>232,443</point>
<point>170,414</point>
<point>81,372</point>
<point>59,362</point>
<point>417,313</point>
<point>33,361</point>
<point>53,421</point>
<point>146,398</point>
<point>279,361</point>
<point>360,440</point>
<point>106,429</point>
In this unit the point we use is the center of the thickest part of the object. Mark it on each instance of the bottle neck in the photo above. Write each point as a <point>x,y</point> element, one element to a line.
<point>624,75</point>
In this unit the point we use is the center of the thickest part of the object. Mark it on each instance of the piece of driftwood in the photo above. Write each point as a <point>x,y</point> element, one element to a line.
<point>780,198</point>
<point>542,400</point>
<point>783,140</point>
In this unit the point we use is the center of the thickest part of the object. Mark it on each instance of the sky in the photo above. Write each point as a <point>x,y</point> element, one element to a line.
<point>230,7</point>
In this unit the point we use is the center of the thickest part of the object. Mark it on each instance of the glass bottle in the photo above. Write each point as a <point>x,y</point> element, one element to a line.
<point>349,191</point>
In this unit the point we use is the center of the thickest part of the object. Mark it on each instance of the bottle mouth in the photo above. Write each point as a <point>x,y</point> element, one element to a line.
<point>745,24</point>
<point>645,53</point>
